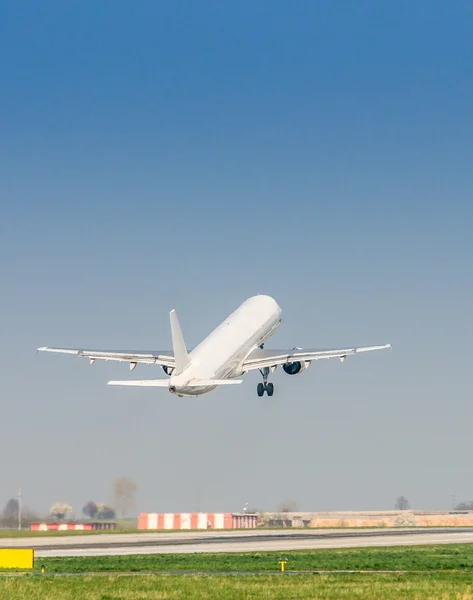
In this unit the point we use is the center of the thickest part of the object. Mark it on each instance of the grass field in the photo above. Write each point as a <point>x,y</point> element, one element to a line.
<point>410,558</point>
<point>26,533</point>
<point>440,572</point>
<point>455,586</point>
<point>122,526</point>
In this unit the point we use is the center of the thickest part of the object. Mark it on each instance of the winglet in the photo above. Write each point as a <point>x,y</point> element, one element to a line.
<point>181,357</point>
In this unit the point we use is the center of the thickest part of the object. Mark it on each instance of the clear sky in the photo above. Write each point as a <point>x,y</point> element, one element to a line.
<point>187,155</point>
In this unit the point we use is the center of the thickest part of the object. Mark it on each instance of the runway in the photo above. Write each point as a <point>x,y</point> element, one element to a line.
<point>233,541</point>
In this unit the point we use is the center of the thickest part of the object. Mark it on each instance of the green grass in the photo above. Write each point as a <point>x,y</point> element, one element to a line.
<point>26,533</point>
<point>410,558</point>
<point>127,527</point>
<point>257,587</point>
<point>122,526</point>
<point>433,572</point>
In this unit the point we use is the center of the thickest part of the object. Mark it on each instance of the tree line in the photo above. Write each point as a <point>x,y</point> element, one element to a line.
<point>122,503</point>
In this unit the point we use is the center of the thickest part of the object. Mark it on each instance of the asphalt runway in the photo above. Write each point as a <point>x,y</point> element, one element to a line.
<point>232,541</point>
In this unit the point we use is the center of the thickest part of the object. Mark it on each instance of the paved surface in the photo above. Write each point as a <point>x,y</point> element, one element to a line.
<point>233,541</point>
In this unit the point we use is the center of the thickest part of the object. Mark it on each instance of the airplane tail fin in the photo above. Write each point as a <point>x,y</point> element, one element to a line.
<point>181,356</point>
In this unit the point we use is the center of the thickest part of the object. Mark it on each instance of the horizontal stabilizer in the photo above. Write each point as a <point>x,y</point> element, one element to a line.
<point>166,382</point>
<point>205,382</point>
<point>142,382</point>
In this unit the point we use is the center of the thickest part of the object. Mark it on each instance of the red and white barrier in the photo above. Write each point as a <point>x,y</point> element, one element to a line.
<point>185,521</point>
<point>61,526</point>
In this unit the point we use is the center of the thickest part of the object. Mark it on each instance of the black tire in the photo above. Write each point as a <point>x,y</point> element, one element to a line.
<point>270,389</point>
<point>260,389</point>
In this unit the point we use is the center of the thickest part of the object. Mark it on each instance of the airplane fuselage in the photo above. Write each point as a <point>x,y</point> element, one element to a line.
<point>221,354</point>
<point>235,347</point>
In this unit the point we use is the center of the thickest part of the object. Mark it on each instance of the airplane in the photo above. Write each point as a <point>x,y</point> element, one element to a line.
<point>233,348</point>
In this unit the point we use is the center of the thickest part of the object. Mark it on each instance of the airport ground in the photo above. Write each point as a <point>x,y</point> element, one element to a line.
<point>249,540</point>
<point>421,572</point>
<point>257,587</point>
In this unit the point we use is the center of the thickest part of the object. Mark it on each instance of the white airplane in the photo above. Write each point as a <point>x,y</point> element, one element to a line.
<point>233,348</point>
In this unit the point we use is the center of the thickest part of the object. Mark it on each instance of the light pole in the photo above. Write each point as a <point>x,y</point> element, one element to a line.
<point>19,509</point>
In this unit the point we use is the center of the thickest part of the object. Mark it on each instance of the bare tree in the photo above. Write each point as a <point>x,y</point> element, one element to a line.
<point>11,509</point>
<point>61,510</point>
<point>106,512</point>
<point>287,506</point>
<point>402,503</point>
<point>124,489</point>
<point>90,509</point>
<point>465,505</point>
<point>9,515</point>
<point>98,510</point>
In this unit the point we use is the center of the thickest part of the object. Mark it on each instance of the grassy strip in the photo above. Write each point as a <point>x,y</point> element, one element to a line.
<point>26,533</point>
<point>128,528</point>
<point>403,558</point>
<point>122,526</point>
<point>278,587</point>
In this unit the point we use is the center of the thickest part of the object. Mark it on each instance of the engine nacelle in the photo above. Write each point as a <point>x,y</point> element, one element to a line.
<point>294,368</point>
<point>168,370</point>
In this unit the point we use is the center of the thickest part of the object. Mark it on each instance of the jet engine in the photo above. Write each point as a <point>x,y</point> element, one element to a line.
<point>293,368</point>
<point>168,370</point>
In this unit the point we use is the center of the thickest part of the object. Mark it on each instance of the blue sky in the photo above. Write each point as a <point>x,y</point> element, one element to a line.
<point>187,155</point>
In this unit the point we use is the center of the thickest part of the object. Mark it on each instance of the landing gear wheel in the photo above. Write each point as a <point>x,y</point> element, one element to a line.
<point>265,386</point>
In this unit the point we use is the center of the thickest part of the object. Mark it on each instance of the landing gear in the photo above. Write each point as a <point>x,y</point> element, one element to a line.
<point>265,386</point>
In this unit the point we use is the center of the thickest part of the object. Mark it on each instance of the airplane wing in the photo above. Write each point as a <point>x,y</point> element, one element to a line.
<point>150,357</point>
<point>258,359</point>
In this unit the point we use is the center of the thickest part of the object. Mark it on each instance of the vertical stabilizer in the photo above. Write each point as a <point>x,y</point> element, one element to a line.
<point>181,356</point>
